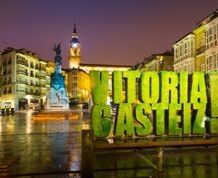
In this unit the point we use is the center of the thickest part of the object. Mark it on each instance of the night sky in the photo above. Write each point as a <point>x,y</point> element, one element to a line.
<point>110,31</point>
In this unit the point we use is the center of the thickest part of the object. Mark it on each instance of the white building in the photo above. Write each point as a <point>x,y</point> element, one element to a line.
<point>23,79</point>
<point>184,54</point>
<point>211,52</point>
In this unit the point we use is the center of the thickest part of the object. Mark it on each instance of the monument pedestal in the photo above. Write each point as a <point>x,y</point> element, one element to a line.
<point>55,115</point>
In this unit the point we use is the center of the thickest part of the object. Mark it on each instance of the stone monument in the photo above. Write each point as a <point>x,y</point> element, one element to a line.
<point>57,98</point>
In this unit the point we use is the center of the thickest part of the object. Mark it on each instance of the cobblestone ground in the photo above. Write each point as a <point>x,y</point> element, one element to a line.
<point>39,149</point>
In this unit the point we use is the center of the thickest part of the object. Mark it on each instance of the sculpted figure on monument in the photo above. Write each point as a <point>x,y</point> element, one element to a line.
<point>57,49</point>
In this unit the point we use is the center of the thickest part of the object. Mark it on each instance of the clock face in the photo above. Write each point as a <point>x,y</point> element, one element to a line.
<point>75,45</point>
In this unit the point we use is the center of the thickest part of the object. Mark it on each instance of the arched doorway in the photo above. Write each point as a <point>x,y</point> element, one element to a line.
<point>22,103</point>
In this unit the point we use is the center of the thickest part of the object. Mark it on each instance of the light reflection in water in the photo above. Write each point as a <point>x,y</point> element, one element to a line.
<point>28,122</point>
<point>1,126</point>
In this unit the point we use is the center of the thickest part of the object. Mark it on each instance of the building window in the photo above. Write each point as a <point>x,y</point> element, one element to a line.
<point>31,74</point>
<point>9,91</point>
<point>74,72</point>
<point>9,71</point>
<point>4,62</point>
<point>74,85</point>
<point>211,36</point>
<point>9,61</point>
<point>9,80</point>
<point>5,91</point>
<point>5,81</point>
<point>31,65</point>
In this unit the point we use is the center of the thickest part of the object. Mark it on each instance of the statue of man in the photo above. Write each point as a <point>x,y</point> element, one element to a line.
<point>57,49</point>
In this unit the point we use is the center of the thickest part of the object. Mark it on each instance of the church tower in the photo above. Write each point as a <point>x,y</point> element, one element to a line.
<point>75,46</point>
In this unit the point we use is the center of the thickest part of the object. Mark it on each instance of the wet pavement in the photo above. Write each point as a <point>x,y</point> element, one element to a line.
<point>42,149</point>
<point>34,148</point>
<point>198,162</point>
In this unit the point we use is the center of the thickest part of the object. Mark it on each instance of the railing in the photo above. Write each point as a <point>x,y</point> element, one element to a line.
<point>200,50</point>
<point>20,91</point>
<point>22,63</point>
<point>42,68</point>
<point>19,71</point>
<point>42,77</point>
<point>43,85</point>
<point>23,82</point>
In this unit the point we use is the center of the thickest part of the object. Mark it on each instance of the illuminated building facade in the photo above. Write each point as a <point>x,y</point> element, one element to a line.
<point>25,79</point>
<point>184,54</point>
<point>198,50</point>
<point>78,85</point>
<point>157,62</point>
<point>211,52</point>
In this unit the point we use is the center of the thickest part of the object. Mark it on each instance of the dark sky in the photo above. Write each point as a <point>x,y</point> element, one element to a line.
<point>110,31</point>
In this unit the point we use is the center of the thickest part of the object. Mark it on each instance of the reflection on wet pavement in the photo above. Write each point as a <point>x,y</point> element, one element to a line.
<point>33,148</point>
<point>52,149</point>
<point>181,162</point>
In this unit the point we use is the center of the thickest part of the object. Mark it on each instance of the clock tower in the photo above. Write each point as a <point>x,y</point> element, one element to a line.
<point>75,46</point>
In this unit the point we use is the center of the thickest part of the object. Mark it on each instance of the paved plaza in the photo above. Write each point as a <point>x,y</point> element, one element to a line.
<point>36,148</point>
<point>52,149</point>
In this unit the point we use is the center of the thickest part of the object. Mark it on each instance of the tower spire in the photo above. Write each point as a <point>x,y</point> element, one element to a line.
<point>74,28</point>
<point>75,46</point>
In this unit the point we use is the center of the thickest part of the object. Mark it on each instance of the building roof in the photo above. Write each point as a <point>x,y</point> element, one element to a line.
<point>78,69</point>
<point>187,34</point>
<point>208,18</point>
<point>24,52</point>
<point>104,65</point>
<point>152,57</point>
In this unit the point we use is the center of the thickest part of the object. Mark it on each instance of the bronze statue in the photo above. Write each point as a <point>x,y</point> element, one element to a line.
<point>57,49</point>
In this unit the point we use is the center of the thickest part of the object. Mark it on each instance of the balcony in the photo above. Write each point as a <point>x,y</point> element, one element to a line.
<point>42,77</point>
<point>33,93</point>
<point>22,62</point>
<point>20,91</point>
<point>42,68</point>
<point>36,67</point>
<point>19,71</point>
<point>37,85</point>
<point>43,85</point>
<point>37,76</point>
<point>22,82</point>
<point>200,50</point>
